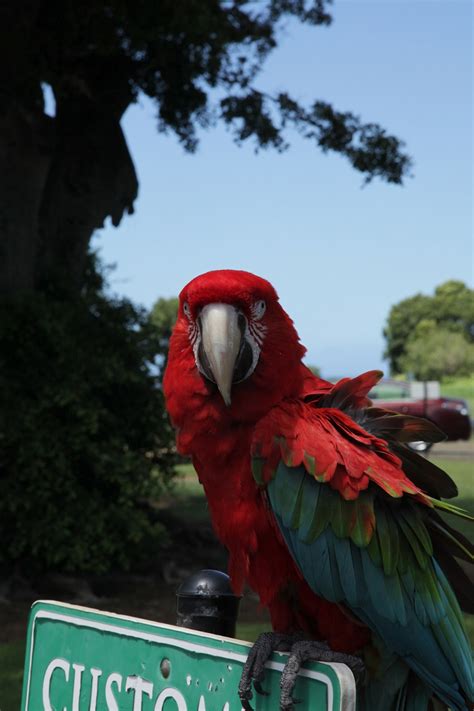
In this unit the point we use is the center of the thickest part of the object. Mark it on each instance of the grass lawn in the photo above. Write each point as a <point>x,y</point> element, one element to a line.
<point>11,672</point>
<point>460,387</point>
<point>188,500</point>
<point>462,471</point>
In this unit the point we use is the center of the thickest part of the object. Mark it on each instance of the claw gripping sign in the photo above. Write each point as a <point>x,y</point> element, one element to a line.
<point>79,659</point>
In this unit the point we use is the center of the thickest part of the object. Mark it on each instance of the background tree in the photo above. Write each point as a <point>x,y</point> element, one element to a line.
<point>163,317</point>
<point>62,176</point>
<point>453,304</point>
<point>451,308</point>
<point>434,353</point>
<point>84,439</point>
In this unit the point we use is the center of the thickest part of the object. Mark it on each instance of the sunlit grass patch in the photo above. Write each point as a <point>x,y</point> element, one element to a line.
<point>460,387</point>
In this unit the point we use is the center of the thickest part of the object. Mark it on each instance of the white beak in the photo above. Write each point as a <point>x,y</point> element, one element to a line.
<point>221,339</point>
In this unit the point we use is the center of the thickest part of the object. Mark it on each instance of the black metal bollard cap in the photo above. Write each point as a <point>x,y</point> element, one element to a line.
<point>206,602</point>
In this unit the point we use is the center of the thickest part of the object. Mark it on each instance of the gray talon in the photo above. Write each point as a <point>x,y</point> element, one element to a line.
<point>259,689</point>
<point>301,651</point>
<point>304,651</point>
<point>254,667</point>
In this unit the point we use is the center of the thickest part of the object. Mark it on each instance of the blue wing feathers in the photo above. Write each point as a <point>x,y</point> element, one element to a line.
<point>393,585</point>
<point>396,595</point>
<point>451,597</point>
<point>349,572</point>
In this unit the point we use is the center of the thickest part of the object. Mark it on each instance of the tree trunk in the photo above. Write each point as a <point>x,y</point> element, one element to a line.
<point>91,177</point>
<point>25,150</point>
<point>60,177</point>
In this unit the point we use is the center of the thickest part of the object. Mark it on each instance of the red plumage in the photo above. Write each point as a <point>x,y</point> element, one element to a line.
<point>219,440</point>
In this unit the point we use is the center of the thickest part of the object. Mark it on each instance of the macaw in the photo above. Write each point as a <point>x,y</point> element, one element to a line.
<point>324,510</point>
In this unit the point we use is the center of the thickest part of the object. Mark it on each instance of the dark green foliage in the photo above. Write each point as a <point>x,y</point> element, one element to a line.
<point>83,432</point>
<point>451,308</point>
<point>163,317</point>
<point>367,146</point>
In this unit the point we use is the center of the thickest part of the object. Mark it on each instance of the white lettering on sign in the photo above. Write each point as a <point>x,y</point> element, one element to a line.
<point>109,694</point>
<point>78,669</point>
<point>52,666</point>
<point>171,694</point>
<point>95,674</point>
<point>140,686</point>
<point>113,688</point>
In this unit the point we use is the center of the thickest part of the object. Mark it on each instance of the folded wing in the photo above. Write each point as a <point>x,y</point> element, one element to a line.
<point>358,512</point>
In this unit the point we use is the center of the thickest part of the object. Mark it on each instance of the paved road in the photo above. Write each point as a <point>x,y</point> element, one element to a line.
<point>455,450</point>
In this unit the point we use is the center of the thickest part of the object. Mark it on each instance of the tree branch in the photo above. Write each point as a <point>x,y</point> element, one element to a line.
<point>368,147</point>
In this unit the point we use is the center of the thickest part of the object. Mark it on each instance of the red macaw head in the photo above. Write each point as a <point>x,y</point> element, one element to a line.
<point>235,337</point>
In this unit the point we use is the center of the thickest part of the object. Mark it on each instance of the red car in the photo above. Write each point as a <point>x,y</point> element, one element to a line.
<point>451,415</point>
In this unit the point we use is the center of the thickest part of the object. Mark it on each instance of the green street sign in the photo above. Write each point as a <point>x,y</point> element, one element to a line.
<point>79,659</point>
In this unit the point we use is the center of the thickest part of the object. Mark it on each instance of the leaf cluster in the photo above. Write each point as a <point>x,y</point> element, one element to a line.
<point>444,322</point>
<point>85,442</point>
<point>434,353</point>
<point>163,315</point>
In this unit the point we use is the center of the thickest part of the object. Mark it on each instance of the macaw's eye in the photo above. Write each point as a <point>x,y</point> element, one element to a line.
<point>259,309</point>
<point>186,309</point>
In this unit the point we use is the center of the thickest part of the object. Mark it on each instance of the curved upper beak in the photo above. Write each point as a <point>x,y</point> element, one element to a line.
<point>221,340</point>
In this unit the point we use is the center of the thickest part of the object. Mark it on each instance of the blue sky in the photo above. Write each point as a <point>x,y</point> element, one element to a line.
<point>338,254</point>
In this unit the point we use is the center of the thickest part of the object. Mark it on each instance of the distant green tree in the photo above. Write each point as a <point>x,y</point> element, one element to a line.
<point>84,439</point>
<point>434,353</point>
<point>451,308</point>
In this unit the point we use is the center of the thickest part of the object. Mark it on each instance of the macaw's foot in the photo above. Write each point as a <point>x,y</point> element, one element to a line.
<point>300,651</point>
<point>309,650</point>
<point>254,668</point>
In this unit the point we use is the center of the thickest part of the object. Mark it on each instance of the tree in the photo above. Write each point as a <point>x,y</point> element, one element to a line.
<point>434,353</point>
<point>84,439</point>
<point>62,176</point>
<point>450,308</point>
<point>163,317</point>
<point>453,304</point>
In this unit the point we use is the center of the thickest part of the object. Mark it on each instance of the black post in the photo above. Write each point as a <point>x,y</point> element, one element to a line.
<point>206,602</point>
